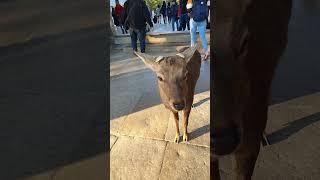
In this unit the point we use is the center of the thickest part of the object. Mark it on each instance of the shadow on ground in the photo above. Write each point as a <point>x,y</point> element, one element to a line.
<point>52,102</point>
<point>292,128</point>
<point>199,132</point>
<point>197,104</point>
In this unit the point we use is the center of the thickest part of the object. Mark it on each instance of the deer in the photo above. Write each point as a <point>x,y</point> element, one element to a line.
<point>248,38</point>
<point>176,78</point>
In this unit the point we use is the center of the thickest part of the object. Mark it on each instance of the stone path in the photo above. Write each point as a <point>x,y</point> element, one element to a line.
<point>142,144</point>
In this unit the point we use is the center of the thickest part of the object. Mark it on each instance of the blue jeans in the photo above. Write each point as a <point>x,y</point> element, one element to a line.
<point>201,26</point>
<point>174,20</point>
<point>136,34</point>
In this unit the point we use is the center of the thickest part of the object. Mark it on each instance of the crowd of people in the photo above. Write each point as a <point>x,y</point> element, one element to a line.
<point>173,13</point>
<point>137,18</point>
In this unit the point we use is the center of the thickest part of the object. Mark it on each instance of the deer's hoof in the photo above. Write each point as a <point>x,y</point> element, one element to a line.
<point>185,137</point>
<point>176,139</point>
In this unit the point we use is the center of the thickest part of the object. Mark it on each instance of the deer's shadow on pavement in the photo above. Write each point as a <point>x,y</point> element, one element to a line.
<point>197,104</point>
<point>292,128</point>
<point>199,132</point>
<point>202,130</point>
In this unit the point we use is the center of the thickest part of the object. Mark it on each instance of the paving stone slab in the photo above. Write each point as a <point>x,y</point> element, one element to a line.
<point>280,115</point>
<point>125,95</point>
<point>122,103</point>
<point>294,158</point>
<point>199,122</point>
<point>145,121</point>
<point>92,168</point>
<point>136,158</point>
<point>148,123</point>
<point>126,66</point>
<point>183,161</point>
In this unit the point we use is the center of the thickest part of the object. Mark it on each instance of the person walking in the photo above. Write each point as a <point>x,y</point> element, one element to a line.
<point>179,14</point>
<point>115,19</point>
<point>158,14</point>
<point>163,11</point>
<point>184,18</point>
<point>174,15</point>
<point>119,13</point>
<point>169,13</point>
<point>199,12</point>
<point>136,17</point>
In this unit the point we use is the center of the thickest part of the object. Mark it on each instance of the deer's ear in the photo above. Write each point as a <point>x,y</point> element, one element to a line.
<point>188,53</point>
<point>150,61</point>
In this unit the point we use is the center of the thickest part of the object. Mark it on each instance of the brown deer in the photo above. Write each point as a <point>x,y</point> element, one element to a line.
<point>177,77</point>
<point>248,37</point>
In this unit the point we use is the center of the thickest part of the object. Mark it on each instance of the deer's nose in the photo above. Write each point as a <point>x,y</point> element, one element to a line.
<point>178,106</point>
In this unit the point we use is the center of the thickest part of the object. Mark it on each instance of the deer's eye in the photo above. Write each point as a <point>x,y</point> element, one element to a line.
<point>160,78</point>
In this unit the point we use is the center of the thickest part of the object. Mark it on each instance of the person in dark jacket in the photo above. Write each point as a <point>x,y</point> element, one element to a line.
<point>115,18</point>
<point>135,17</point>
<point>184,18</point>
<point>163,11</point>
<point>169,13</point>
<point>174,15</point>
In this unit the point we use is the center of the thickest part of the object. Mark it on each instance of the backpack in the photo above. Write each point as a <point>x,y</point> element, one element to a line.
<point>200,10</point>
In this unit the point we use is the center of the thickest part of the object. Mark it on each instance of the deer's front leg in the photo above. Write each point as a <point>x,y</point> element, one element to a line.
<point>186,114</point>
<point>176,118</point>
<point>246,157</point>
<point>215,168</point>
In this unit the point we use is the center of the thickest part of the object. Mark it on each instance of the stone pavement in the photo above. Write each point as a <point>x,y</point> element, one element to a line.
<point>142,144</point>
<point>142,147</point>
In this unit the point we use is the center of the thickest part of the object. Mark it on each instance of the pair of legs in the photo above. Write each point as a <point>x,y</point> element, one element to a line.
<point>169,19</point>
<point>201,27</point>
<point>184,22</point>
<point>186,114</point>
<point>124,31</point>
<point>173,21</point>
<point>159,19</point>
<point>164,19</point>
<point>136,34</point>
